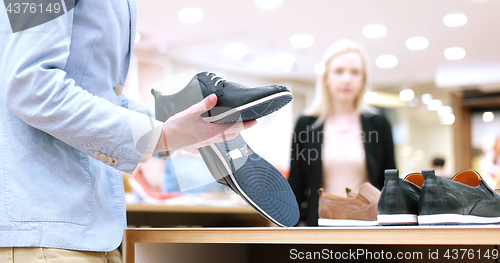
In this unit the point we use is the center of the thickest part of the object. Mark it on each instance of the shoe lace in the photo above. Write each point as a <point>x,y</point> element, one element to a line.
<point>220,79</point>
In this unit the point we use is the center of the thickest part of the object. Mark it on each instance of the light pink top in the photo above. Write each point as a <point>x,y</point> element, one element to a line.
<point>344,163</point>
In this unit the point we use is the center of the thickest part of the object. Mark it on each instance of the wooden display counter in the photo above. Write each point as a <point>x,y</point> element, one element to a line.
<point>175,215</point>
<point>232,244</point>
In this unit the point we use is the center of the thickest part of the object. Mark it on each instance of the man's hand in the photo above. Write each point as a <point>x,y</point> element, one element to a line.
<point>186,129</point>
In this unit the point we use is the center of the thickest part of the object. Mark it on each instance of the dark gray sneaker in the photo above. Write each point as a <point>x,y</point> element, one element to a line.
<point>464,199</point>
<point>235,102</point>
<point>398,204</point>
<point>259,183</point>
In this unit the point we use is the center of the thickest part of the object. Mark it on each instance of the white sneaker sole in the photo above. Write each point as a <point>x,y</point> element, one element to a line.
<point>456,219</point>
<point>397,219</point>
<point>247,106</point>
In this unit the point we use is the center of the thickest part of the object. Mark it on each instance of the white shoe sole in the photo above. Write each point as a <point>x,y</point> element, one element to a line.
<point>397,219</point>
<point>456,219</point>
<point>247,106</point>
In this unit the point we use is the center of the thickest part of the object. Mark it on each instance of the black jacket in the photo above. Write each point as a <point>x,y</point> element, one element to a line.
<point>306,168</point>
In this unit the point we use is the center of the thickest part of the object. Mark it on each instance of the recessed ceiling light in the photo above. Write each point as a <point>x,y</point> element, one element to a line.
<point>426,98</point>
<point>454,53</point>
<point>417,43</point>
<point>444,110</point>
<point>414,102</point>
<point>386,61</point>
<point>434,105</point>
<point>406,95</point>
<point>284,61</point>
<point>191,15</point>
<point>236,50</point>
<point>268,4</point>
<point>448,119</point>
<point>374,31</point>
<point>302,40</point>
<point>319,68</point>
<point>455,20</point>
<point>370,97</point>
<point>488,116</point>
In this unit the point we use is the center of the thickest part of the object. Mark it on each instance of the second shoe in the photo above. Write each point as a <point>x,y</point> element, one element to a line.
<point>259,183</point>
<point>464,199</point>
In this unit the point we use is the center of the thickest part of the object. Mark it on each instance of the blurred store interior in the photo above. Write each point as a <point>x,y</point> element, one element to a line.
<point>434,65</point>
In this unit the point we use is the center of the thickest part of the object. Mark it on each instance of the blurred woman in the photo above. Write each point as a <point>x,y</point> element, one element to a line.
<point>337,144</point>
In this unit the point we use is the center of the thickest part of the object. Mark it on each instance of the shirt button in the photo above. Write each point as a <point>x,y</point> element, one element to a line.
<point>108,160</point>
<point>96,154</point>
<point>114,161</point>
<point>118,90</point>
<point>102,157</point>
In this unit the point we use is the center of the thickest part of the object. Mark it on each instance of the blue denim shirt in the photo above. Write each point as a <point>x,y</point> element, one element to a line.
<point>66,130</point>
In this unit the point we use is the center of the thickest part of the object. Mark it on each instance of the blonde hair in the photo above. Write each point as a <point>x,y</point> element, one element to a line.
<point>322,102</point>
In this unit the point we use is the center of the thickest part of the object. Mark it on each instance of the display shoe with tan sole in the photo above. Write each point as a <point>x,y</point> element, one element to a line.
<point>357,209</point>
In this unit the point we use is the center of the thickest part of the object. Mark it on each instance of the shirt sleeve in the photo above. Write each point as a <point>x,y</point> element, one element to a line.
<point>148,111</point>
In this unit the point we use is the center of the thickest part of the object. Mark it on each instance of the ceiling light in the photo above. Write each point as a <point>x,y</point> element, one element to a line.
<point>370,97</point>
<point>417,43</point>
<point>302,40</point>
<point>284,61</point>
<point>454,53</point>
<point>434,105</point>
<point>488,116</point>
<point>190,15</point>
<point>479,75</point>
<point>444,110</point>
<point>406,95</point>
<point>236,50</point>
<point>319,68</point>
<point>268,4</point>
<point>414,102</point>
<point>374,31</point>
<point>449,119</point>
<point>386,61</point>
<point>455,20</point>
<point>426,98</point>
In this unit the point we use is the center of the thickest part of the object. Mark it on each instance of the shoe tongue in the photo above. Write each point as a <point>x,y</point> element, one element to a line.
<point>468,177</point>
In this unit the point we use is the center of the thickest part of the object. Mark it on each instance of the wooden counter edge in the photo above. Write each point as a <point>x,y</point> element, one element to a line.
<point>375,236</point>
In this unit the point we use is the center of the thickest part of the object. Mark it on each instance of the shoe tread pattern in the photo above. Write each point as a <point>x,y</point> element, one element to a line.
<point>263,184</point>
